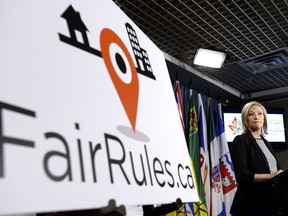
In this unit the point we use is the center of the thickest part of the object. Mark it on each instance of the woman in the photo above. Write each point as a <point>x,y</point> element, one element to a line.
<point>254,163</point>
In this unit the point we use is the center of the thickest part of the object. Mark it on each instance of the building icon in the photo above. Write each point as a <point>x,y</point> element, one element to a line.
<point>141,56</point>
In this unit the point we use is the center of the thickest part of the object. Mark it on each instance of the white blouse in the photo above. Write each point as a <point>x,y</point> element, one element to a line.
<point>269,156</point>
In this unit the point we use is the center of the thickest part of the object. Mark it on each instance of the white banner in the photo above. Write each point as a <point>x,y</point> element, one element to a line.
<point>87,111</point>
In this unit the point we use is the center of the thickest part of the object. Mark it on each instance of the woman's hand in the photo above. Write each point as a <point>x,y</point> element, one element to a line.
<point>265,177</point>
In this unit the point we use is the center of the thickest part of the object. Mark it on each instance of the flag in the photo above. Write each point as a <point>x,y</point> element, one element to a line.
<point>217,205</point>
<point>204,155</point>
<point>182,211</point>
<point>180,104</point>
<point>186,95</point>
<point>226,167</point>
<point>198,208</point>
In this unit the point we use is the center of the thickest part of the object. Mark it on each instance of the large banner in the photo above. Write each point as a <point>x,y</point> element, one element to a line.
<point>87,111</point>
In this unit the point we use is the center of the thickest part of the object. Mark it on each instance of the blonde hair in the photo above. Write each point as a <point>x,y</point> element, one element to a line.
<point>244,114</point>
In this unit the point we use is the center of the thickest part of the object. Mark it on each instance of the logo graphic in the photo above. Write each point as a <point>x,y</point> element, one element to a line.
<point>215,174</point>
<point>235,127</point>
<point>193,120</point>
<point>228,180</point>
<point>127,91</point>
<point>117,59</point>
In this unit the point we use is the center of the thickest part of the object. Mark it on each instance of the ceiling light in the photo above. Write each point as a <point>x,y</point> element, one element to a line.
<point>209,58</point>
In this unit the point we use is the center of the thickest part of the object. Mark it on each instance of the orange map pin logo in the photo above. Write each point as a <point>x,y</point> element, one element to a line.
<point>125,81</point>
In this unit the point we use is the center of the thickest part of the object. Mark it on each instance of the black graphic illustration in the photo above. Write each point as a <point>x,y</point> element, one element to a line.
<point>140,54</point>
<point>75,23</point>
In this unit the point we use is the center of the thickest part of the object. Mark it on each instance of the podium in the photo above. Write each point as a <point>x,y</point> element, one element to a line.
<point>277,189</point>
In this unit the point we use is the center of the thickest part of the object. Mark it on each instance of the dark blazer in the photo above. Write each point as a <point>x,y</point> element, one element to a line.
<point>248,159</point>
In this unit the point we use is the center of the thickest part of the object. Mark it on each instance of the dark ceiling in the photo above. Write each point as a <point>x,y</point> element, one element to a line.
<point>254,33</point>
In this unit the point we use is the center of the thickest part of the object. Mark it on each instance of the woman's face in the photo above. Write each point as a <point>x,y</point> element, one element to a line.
<point>255,118</point>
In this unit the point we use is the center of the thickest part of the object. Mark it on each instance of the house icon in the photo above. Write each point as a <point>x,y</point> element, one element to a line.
<point>75,23</point>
